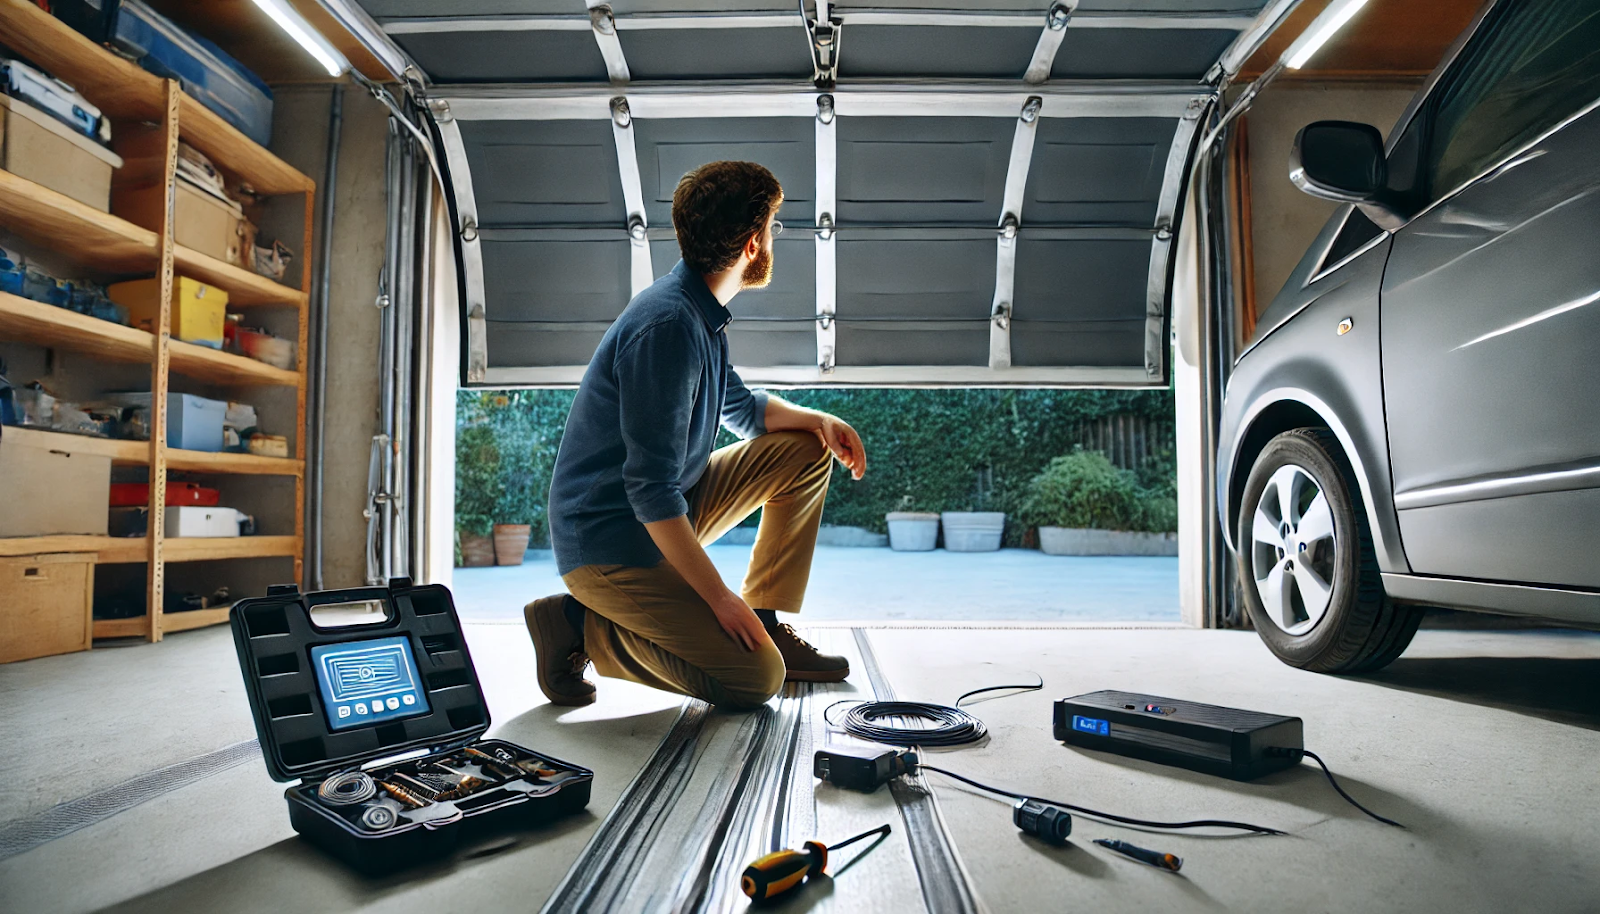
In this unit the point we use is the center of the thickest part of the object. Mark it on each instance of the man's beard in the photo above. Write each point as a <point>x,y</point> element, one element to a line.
<point>759,273</point>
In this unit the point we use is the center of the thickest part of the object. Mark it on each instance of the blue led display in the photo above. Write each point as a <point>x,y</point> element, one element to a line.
<point>367,682</point>
<point>1091,725</point>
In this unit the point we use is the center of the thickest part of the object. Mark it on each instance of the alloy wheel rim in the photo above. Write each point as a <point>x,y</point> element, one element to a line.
<point>1294,550</point>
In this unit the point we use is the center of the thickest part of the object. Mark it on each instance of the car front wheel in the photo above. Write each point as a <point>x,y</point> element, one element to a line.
<point>1306,562</point>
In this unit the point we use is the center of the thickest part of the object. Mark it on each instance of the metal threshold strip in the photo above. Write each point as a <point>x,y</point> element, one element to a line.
<point>721,790</point>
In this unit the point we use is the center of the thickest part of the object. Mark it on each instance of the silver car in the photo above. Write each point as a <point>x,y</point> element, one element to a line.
<point>1417,419</point>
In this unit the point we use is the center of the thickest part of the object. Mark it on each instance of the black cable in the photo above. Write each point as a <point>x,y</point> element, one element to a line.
<point>880,830</point>
<point>951,725</point>
<point>1348,798</point>
<point>1112,817</point>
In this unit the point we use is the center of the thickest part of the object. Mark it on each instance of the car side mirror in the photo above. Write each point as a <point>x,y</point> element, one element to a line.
<point>1344,162</point>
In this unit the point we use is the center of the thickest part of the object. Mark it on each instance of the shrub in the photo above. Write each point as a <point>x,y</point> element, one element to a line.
<point>1083,489</point>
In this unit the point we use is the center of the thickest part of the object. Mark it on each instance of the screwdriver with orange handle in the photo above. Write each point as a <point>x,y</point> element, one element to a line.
<point>783,871</point>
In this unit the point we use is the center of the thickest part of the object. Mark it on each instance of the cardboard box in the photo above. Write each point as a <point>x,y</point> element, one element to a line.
<point>40,148</point>
<point>199,311</point>
<point>52,489</point>
<point>200,220</point>
<point>49,605</point>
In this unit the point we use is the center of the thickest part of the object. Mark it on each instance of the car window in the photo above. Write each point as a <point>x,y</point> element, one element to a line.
<point>1535,63</point>
<point>1357,230</point>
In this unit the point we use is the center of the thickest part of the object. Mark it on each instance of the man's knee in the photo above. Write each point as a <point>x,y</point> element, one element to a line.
<point>805,447</point>
<point>756,681</point>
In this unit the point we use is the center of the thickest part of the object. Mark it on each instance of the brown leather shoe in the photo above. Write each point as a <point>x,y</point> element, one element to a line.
<point>804,662</point>
<point>560,658</point>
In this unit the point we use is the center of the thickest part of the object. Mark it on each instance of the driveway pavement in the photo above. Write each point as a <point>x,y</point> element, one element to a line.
<point>863,584</point>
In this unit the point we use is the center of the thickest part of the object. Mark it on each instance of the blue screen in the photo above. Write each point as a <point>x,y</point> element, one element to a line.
<point>1090,725</point>
<point>367,682</point>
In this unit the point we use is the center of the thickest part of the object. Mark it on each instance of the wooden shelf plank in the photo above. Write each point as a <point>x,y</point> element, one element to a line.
<point>207,364</point>
<point>85,234</point>
<point>244,288</point>
<point>137,453</point>
<point>45,325</point>
<point>170,622</point>
<point>27,321</point>
<point>125,91</point>
<point>109,550</point>
<point>205,549</point>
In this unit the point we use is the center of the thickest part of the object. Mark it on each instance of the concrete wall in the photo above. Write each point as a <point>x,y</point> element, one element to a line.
<point>300,136</point>
<point>1284,221</point>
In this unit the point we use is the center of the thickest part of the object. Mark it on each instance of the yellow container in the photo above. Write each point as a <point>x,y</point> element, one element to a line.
<point>198,310</point>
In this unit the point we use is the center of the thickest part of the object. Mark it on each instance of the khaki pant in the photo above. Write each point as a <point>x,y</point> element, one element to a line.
<point>649,625</point>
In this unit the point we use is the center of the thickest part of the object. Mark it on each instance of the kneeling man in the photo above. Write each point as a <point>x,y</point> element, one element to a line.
<point>638,490</point>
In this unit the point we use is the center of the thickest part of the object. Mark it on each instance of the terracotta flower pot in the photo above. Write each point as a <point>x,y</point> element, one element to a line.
<point>476,551</point>
<point>510,543</point>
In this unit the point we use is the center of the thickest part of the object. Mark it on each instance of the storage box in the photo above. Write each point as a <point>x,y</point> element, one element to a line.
<point>52,489</point>
<point>49,605</point>
<point>184,520</point>
<point>198,310</point>
<point>329,697</point>
<point>44,150</point>
<point>193,423</point>
<point>137,494</point>
<point>200,220</point>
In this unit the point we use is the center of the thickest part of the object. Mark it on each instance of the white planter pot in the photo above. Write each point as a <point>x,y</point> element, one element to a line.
<point>973,531</point>
<point>912,531</point>
<point>1075,541</point>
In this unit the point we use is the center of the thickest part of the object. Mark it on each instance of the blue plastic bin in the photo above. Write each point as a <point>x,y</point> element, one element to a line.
<point>193,423</point>
<point>206,72</point>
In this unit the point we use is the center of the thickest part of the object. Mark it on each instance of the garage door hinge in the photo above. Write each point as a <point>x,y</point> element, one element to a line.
<point>825,320</point>
<point>826,37</point>
<point>826,364</point>
<point>1002,315</point>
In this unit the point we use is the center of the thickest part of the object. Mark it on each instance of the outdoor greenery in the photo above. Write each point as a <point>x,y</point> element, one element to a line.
<point>1084,489</point>
<point>929,450</point>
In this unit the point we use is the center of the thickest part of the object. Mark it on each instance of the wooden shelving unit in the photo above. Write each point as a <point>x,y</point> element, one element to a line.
<point>103,242</point>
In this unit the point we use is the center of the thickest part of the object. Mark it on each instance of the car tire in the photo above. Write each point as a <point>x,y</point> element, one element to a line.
<point>1306,563</point>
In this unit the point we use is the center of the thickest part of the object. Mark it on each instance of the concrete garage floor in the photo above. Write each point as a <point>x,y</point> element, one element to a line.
<point>880,585</point>
<point>1483,743</point>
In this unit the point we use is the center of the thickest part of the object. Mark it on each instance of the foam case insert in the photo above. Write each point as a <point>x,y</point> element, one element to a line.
<point>370,704</point>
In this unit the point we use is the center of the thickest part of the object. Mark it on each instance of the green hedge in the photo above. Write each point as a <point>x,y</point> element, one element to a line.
<point>931,450</point>
<point>1083,489</point>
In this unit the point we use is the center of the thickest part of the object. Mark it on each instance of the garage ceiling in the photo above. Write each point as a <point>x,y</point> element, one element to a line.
<point>976,195</point>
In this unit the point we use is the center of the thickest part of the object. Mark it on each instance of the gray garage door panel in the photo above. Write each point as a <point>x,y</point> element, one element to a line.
<point>885,343</point>
<point>765,344</point>
<point>1080,279</point>
<point>915,280</point>
<point>922,170</point>
<point>1039,344</point>
<point>936,51</point>
<point>1097,171</point>
<point>669,149</point>
<point>544,173</point>
<point>520,345</point>
<point>506,56</point>
<point>1138,53</point>
<point>556,281</point>
<point>765,53</point>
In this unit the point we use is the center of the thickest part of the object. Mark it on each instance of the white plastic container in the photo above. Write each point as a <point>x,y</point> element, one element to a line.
<point>188,520</point>
<point>973,531</point>
<point>913,531</point>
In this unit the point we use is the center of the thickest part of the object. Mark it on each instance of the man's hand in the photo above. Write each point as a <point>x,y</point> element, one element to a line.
<point>838,437</point>
<point>739,621</point>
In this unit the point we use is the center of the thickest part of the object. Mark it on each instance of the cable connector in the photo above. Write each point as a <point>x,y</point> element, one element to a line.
<point>864,768</point>
<point>1047,821</point>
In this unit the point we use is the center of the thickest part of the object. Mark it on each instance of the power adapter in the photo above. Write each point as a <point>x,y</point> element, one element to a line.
<point>863,768</point>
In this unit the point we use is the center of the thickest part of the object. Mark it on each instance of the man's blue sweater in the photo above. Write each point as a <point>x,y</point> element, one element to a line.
<point>644,422</point>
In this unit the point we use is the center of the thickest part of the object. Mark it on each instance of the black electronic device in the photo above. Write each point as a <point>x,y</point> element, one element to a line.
<point>863,768</point>
<point>379,725</point>
<point>1231,743</point>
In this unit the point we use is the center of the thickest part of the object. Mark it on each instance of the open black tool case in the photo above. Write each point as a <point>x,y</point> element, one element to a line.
<point>338,707</point>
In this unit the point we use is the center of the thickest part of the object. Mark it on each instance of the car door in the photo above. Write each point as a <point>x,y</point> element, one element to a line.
<point>1491,307</point>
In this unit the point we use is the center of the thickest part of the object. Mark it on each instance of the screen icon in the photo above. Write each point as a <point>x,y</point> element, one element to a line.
<point>361,707</point>
<point>392,704</point>
<point>344,710</point>
<point>408,699</point>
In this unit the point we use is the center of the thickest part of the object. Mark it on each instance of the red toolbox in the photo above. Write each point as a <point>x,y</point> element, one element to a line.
<point>137,494</point>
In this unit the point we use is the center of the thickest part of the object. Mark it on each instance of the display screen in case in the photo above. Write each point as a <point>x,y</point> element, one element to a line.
<point>368,682</point>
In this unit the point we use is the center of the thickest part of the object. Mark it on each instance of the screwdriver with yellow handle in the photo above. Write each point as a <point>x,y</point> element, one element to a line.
<point>783,871</point>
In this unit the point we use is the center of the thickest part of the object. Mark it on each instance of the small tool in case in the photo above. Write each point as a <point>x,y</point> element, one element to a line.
<point>380,724</point>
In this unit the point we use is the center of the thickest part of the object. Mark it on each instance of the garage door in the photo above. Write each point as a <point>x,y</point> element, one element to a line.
<point>974,196</point>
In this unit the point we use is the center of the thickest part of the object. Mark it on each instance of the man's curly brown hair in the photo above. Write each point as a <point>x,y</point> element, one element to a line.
<point>718,207</point>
